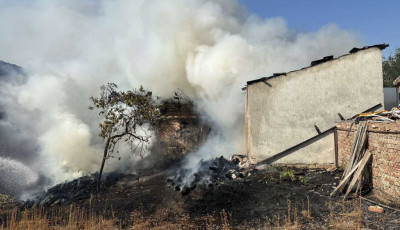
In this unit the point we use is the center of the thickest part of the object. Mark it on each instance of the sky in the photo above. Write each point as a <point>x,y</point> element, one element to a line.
<point>373,21</point>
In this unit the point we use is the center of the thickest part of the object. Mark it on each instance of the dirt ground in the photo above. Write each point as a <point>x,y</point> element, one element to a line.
<point>263,200</point>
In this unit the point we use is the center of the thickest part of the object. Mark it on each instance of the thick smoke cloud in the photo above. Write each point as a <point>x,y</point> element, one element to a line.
<point>209,49</point>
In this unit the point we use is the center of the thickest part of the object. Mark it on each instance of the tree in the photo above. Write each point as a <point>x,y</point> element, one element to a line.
<point>391,68</point>
<point>128,116</point>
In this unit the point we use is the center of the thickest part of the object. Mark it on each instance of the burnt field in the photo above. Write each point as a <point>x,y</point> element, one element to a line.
<point>273,198</point>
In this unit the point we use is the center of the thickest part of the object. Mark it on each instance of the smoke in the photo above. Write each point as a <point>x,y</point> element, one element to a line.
<point>209,49</point>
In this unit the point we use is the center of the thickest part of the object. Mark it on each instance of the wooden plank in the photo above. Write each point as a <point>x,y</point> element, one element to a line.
<point>360,153</point>
<point>359,144</point>
<point>359,183</point>
<point>342,182</point>
<point>358,173</point>
<point>350,163</point>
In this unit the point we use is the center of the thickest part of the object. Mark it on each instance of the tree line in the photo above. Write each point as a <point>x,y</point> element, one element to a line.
<point>391,68</point>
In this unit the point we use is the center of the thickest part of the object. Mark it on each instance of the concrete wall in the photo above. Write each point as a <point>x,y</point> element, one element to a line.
<point>282,112</point>
<point>384,144</point>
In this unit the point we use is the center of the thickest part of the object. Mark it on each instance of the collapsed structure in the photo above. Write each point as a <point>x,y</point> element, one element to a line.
<point>180,131</point>
<point>290,117</point>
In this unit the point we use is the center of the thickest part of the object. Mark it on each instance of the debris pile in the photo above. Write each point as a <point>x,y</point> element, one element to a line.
<point>378,116</point>
<point>71,191</point>
<point>211,172</point>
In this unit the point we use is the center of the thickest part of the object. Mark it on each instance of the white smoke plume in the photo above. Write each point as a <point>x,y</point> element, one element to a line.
<point>209,49</point>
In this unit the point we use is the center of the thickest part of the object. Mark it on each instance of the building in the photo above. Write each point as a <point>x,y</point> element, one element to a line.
<point>181,131</point>
<point>291,117</point>
<point>396,84</point>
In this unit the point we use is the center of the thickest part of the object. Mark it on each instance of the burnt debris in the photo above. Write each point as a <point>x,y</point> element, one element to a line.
<point>71,191</point>
<point>211,172</point>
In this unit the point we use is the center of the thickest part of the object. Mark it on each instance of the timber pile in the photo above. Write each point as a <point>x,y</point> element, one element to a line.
<point>356,172</point>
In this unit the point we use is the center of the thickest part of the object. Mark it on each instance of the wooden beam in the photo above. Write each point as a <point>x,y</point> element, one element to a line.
<point>297,147</point>
<point>342,182</point>
<point>335,137</point>
<point>302,144</point>
<point>357,175</point>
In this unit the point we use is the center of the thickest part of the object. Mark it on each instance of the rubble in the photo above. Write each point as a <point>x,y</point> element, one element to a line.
<point>378,116</point>
<point>211,172</point>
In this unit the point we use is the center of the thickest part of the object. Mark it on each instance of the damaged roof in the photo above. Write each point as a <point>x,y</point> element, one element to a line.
<point>317,62</point>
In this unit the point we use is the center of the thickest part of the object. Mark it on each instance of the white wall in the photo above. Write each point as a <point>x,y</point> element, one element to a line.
<point>282,113</point>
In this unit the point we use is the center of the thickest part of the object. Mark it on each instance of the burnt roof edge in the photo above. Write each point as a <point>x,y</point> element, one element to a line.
<point>323,60</point>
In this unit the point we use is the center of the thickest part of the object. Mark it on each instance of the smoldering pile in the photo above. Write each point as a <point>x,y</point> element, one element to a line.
<point>211,172</point>
<point>71,191</point>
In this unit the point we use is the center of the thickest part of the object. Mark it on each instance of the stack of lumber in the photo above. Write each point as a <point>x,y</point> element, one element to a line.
<point>356,172</point>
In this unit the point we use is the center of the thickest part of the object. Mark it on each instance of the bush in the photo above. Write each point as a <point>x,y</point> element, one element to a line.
<point>288,175</point>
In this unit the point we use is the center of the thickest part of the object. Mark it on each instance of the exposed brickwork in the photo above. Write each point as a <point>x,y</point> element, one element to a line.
<point>180,131</point>
<point>384,144</point>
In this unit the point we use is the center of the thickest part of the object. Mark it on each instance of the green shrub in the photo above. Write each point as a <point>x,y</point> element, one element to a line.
<point>288,175</point>
<point>304,179</point>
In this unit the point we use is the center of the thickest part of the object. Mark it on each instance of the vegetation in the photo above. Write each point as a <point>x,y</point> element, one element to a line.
<point>341,215</point>
<point>72,217</point>
<point>304,179</point>
<point>287,174</point>
<point>6,202</point>
<point>128,116</point>
<point>391,68</point>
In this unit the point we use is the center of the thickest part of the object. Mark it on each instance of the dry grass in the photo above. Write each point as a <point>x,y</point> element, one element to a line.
<point>342,215</point>
<point>76,218</point>
<point>351,215</point>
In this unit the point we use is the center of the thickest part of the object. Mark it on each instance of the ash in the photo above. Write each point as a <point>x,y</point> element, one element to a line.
<point>211,172</point>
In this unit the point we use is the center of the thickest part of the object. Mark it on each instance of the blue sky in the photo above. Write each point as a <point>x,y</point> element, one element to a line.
<point>374,21</point>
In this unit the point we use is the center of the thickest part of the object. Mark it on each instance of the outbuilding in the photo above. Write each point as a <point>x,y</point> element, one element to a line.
<point>291,117</point>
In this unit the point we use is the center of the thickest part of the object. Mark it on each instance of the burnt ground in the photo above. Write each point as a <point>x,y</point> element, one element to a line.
<point>263,199</point>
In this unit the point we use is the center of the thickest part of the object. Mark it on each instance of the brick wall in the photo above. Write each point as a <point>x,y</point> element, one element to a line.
<point>384,144</point>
